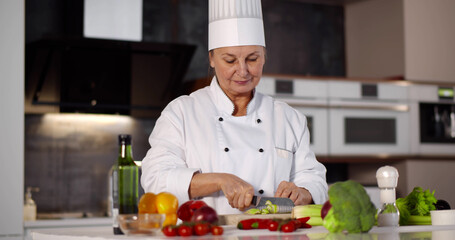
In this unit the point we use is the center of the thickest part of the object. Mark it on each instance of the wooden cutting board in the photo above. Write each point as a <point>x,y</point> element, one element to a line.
<point>233,219</point>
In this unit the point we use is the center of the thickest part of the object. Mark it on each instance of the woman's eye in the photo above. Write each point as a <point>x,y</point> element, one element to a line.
<point>252,59</point>
<point>229,60</point>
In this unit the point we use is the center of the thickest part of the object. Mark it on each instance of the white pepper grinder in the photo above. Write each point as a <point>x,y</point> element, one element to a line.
<point>388,214</point>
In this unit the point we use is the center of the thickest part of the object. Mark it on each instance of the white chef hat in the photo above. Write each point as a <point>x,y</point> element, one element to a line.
<point>235,23</point>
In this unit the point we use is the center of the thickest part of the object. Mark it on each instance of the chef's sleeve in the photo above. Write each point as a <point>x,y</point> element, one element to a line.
<point>164,167</point>
<point>307,172</point>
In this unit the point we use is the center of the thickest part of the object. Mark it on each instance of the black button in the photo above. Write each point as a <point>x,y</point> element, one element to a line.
<point>226,149</point>
<point>261,150</point>
<point>261,191</point>
<point>258,121</point>
<point>220,119</point>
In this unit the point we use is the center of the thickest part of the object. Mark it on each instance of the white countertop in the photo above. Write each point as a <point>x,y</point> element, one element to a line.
<point>68,222</point>
<point>231,232</point>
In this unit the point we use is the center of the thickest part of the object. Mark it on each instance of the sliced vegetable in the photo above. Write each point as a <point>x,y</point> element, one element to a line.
<point>265,211</point>
<point>253,211</point>
<point>270,208</point>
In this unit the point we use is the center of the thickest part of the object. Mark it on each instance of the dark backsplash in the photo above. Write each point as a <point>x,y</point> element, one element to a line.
<point>68,156</point>
<point>301,38</point>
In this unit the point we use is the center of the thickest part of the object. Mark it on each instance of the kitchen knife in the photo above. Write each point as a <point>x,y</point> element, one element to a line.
<point>284,205</point>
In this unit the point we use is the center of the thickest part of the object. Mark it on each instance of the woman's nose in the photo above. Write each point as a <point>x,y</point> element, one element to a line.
<point>242,69</point>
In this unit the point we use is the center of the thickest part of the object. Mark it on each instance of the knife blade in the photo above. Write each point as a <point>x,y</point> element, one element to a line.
<point>284,205</point>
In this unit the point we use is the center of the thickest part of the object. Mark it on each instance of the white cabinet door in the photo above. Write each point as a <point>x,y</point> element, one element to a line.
<point>12,20</point>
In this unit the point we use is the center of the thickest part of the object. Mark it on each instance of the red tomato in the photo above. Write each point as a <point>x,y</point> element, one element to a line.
<point>169,231</point>
<point>288,227</point>
<point>185,231</point>
<point>201,229</point>
<point>217,230</point>
<point>273,226</point>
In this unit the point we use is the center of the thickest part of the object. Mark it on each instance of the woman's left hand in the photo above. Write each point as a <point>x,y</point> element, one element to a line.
<point>299,195</point>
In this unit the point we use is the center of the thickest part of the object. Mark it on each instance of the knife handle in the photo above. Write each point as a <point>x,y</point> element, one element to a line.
<point>254,201</point>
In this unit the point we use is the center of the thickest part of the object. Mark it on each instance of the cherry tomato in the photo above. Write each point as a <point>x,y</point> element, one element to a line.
<point>217,230</point>
<point>273,226</point>
<point>288,227</point>
<point>201,229</point>
<point>169,231</point>
<point>185,231</point>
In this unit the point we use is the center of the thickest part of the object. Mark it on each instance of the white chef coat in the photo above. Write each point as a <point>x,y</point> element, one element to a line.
<point>198,133</point>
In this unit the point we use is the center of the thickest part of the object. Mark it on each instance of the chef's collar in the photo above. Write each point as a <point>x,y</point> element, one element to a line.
<point>224,103</point>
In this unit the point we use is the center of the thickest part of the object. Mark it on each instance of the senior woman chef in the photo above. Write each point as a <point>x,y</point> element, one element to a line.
<point>226,142</point>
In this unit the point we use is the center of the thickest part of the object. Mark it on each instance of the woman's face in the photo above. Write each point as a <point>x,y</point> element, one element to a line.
<point>238,68</point>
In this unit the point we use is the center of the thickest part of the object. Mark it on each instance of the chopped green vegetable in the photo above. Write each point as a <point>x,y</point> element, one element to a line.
<point>352,209</point>
<point>265,211</point>
<point>253,211</point>
<point>273,208</point>
<point>268,202</point>
<point>417,203</point>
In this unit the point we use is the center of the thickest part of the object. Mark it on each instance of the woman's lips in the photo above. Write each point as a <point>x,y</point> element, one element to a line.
<point>242,82</point>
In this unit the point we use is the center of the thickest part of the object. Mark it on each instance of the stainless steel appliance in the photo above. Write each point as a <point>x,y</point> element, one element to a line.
<point>433,118</point>
<point>368,118</point>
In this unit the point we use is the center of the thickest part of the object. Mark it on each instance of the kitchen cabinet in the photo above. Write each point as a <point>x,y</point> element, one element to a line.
<point>12,118</point>
<point>410,39</point>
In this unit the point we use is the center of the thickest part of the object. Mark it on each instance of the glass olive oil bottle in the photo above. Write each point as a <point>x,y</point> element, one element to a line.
<point>125,181</point>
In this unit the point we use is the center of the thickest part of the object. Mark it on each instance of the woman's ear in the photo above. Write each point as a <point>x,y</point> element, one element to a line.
<point>212,63</point>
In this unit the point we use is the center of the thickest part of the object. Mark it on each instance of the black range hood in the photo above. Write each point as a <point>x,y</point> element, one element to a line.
<point>107,76</point>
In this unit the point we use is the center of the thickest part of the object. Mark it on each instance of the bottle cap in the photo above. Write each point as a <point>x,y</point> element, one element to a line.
<point>387,177</point>
<point>124,139</point>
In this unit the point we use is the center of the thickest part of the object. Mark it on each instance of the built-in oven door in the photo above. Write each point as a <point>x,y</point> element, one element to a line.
<point>433,120</point>
<point>377,132</point>
<point>317,125</point>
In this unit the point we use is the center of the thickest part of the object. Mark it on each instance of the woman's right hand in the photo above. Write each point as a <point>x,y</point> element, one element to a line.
<point>238,192</point>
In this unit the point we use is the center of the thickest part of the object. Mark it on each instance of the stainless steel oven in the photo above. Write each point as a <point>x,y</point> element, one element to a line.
<point>368,119</point>
<point>433,118</point>
<point>310,98</point>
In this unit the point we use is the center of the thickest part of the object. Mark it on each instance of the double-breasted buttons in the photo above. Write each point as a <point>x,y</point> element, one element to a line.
<point>226,149</point>
<point>220,119</point>
<point>259,120</point>
<point>261,150</point>
<point>261,191</point>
